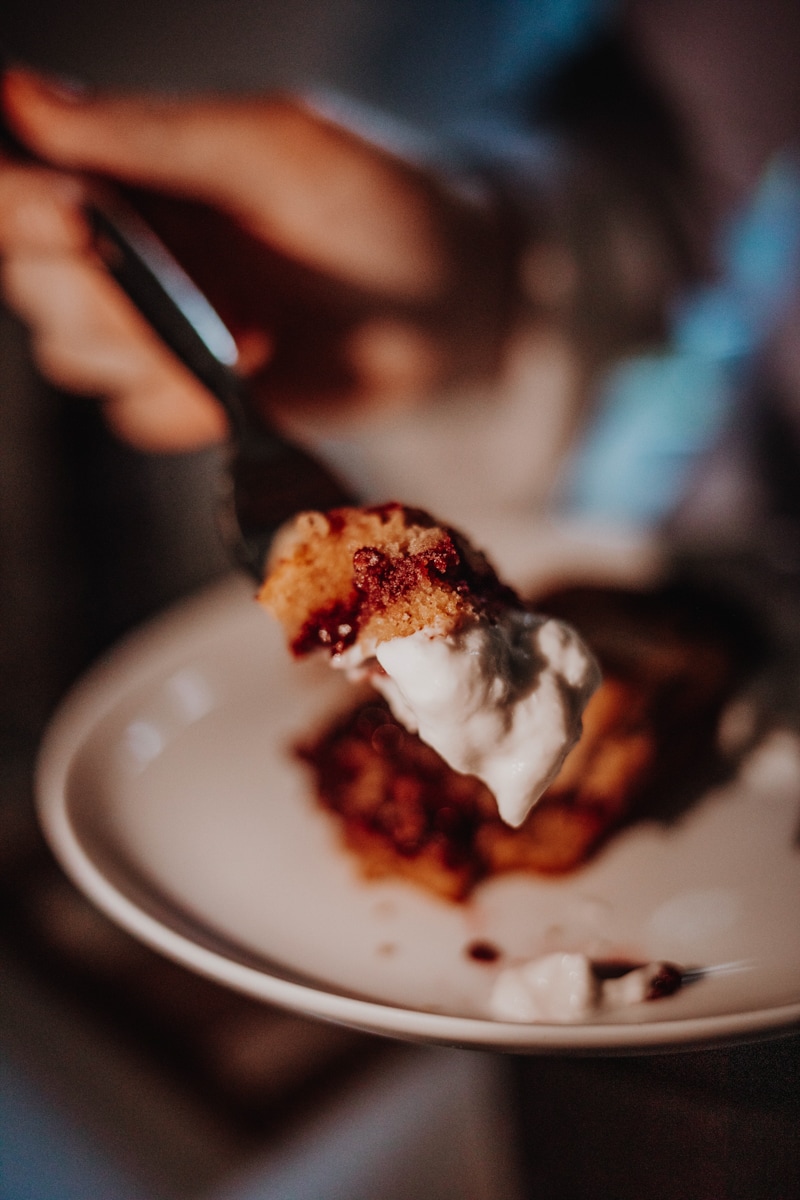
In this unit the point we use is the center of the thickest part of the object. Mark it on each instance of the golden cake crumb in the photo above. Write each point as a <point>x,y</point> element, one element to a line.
<point>374,573</point>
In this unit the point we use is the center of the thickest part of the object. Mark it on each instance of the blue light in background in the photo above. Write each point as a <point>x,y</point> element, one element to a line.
<point>657,414</point>
<point>44,1155</point>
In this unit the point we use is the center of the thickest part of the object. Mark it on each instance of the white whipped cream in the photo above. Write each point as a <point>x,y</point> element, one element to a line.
<point>502,701</point>
<point>565,987</point>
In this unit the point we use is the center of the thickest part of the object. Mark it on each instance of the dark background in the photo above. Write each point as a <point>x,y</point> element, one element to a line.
<point>125,1075</point>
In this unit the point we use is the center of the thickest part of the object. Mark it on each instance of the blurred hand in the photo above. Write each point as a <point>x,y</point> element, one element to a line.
<point>350,277</point>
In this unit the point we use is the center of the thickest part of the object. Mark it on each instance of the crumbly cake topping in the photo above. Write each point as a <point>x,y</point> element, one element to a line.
<point>375,573</point>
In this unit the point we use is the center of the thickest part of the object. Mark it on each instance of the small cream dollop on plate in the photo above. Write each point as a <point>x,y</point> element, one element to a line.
<point>566,986</point>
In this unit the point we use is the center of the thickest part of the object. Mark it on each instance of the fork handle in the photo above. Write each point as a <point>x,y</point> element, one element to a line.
<point>169,301</point>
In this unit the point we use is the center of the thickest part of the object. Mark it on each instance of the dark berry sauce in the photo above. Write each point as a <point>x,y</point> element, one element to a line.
<point>333,628</point>
<point>666,983</point>
<point>383,780</point>
<point>483,952</point>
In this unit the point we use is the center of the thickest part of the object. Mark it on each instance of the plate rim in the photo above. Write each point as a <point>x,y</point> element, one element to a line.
<point>128,665</point>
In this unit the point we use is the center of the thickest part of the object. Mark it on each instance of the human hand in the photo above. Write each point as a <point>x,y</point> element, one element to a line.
<point>350,276</point>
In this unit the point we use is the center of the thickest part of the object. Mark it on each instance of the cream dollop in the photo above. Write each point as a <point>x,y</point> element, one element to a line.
<point>567,987</point>
<point>501,700</point>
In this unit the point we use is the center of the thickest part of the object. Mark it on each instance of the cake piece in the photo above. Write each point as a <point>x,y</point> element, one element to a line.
<point>496,689</point>
<point>368,575</point>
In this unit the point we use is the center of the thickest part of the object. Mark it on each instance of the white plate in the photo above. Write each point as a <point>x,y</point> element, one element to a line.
<point>169,792</point>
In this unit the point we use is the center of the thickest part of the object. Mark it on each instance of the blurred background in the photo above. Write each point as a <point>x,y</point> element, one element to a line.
<point>657,389</point>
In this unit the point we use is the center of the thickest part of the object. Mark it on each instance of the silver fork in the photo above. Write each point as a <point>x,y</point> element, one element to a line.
<point>268,478</point>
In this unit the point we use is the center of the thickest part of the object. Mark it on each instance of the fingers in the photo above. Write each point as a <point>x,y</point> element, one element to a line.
<point>303,183</point>
<point>39,210</point>
<point>394,360</point>
<point>165,414</point>
<point>88,338</point>
<point>142,139</point>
